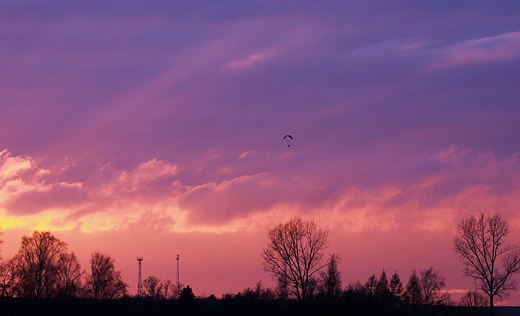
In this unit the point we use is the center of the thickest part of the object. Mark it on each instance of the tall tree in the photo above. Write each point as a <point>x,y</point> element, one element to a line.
<point>396,287</point>
<point>382,286</point>
<point>104,282</point>
<point>413,293</point>
<point>370,285</point>
<point>330,281</point>
<point>37,264</point>
<point>295,253</point>
<point>480,244</point>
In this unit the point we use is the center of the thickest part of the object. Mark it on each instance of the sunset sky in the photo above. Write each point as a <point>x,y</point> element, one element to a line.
<point>155,128</point>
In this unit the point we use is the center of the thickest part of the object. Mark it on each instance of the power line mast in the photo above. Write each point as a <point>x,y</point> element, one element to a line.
<point>178,279</point>
<point>139,278</point>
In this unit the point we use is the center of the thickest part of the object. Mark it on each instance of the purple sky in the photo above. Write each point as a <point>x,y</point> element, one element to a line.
<point>167,117</point>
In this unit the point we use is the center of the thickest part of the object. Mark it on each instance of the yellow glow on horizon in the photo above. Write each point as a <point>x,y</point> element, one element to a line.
<point>45,221</point>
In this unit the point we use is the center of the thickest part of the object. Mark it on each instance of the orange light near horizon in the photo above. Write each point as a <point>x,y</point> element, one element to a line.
<point>45,221</point>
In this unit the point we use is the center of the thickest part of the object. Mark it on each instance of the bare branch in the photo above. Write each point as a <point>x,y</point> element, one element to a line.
<point>294,254</point>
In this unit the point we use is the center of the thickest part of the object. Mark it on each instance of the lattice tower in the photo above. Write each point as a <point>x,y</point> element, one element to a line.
<point>139,277</point>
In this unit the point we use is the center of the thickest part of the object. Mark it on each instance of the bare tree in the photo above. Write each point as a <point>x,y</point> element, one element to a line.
<point>432,284</point>
<point>153,287</point>
<point>492,264</point>
<point>169,289</point>
<point>69,283</point>
<point>294,253</point>
<point>473,301</point>
<point>36,264</point>
<point>262,292</point>
<point>473,298</point>
<point>104,282</point>
<point>8,279</point>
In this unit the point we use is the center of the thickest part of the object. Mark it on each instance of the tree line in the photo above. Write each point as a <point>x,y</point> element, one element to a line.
<point>295,258</point>
<point>44,268</point>
<point>305,278</point>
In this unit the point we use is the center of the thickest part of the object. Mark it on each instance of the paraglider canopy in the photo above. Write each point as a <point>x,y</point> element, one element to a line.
<point>288,138</point>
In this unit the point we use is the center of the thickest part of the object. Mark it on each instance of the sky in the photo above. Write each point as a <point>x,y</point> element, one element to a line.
<point>155,128</point>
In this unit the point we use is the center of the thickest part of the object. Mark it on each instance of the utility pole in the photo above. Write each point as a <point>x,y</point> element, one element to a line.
<point>178,279</point>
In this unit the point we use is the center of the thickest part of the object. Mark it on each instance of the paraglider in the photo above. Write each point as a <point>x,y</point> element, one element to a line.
<point>288,138</point>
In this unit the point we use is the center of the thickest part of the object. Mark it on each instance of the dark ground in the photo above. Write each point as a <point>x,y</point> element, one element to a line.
<point>215,307</point>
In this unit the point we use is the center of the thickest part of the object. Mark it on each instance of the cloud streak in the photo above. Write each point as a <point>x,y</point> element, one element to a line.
<point>500,48</point>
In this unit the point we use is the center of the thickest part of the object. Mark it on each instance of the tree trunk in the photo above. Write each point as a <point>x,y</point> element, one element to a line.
<point>491,305</point>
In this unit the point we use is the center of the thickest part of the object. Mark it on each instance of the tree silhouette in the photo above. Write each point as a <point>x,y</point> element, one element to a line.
<point>330,281</point>
<point>474,301</point>
<point>8,279</point>
<point>294,253</point>
<point>413,294</point>
<point>36,265</point>
<point>169,289</point>
<point>70,276</point>
<point>383,287</point>
<point>432,283</point>
<point>152,287</point>
<point>104,282</point>
<point>282,287</point>
<point>480,245</point>
<point>186,295</point>
<point>370,286</point>
<point>396,287</point>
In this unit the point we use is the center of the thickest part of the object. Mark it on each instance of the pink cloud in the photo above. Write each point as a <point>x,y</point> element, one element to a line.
<point>11,166</point>
<point>452,153</point>
<point>247,62</point>
<point>461,182</point>
<point>248,154</point>
<point>237,197</point>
